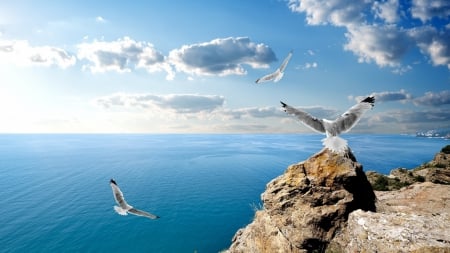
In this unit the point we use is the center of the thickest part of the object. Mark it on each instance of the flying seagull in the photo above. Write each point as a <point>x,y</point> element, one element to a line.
<point>278,74</point>
<point>332,128</point>
<point>124,208</point>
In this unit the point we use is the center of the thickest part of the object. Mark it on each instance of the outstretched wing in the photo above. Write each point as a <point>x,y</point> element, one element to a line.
<point>268,77</point>
<point>308,120</point>
<point>118,196</point>
<point>278,74</point>
<point>285,62</point>
<point>142,213</point>
<point>348,120</point>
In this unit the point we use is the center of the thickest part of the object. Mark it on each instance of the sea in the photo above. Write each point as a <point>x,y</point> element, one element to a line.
<point>55,194</point>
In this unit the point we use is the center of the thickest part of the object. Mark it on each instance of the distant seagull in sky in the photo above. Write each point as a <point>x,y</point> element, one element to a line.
<point>278,74</point>
<point>124,208</point>
<point>332,128</point>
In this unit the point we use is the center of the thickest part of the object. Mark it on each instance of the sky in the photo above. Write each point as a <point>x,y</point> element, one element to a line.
<point>190,66</point>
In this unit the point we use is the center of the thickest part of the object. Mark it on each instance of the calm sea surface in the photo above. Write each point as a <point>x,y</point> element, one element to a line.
<point>55,194</point>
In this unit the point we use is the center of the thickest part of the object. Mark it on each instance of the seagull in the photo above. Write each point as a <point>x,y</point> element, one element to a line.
<point>332,128</point>
<point>278,74</point>
<point>124,208</point>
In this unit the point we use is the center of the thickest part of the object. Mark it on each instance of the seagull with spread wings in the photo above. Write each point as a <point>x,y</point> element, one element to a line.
<point>278,74</point>
<point>124,208</point>
<point>332,128</point>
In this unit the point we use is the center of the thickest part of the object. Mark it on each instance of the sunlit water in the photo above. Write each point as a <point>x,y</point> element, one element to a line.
<point>55,194</point>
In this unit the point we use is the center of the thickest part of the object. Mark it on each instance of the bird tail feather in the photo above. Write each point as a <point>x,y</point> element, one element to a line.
<point>335,144</point>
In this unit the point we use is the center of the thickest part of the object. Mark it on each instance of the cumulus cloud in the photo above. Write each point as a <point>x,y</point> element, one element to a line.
<point>385,45</point>
<point>254,112</point>
<point>425,10</point>
<point>22,53</point>
<point>387,10</point>
<point>201,113</point>
<point>374,29</point>
<point>434,99</point>
<point>386,96</point>
<point>224,56</point>
<point>195,103</point>
<point>338,12</point>
<point>177,103</point>
<point>123,55</point>
<point>433,43</point>
<point>188,112</point>
<point>417,118</point>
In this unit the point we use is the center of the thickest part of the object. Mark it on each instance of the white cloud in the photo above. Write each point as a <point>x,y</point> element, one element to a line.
<point>434,99</point>
<point>427,9</point>
<point>223,56</point>
<point>199,113</point>
<point>123,55</point>
<point>251,112</point>
<point>175,103</point>
<point>416,119</point>
<point>217,57</point>
<point>387,96</point>
<point>20,52</point>
<point>433,43</point>
<point>195,103</point>
<point>438,50</point>
<point>386,10</point>
<point>376,32</point>
<point>385,45</point>
<point>337,12</point>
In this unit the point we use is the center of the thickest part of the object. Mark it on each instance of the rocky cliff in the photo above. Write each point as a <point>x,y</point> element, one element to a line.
<point>306,206</point>
<point>415,218</point>
<point>436,171</point>
<point>326,204</point>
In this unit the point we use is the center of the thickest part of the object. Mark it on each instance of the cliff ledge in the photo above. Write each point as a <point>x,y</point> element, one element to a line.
<point>326,204</point>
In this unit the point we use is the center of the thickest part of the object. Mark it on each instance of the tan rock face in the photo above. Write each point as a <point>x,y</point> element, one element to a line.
<point>307,205</point>
<point>326,204</point>
<point>413,219</point>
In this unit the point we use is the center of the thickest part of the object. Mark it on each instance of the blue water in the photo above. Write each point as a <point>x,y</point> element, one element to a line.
<point>55,194</point>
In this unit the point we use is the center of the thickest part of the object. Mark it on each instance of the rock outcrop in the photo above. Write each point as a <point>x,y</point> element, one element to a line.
<point>413,219</point>
<point>436,171</point>
<point>306,206</point>
<point>326,204</point>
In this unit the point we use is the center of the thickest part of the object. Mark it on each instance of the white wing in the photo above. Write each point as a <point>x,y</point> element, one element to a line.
<point>118,196</point>
<point>142,213</point>
<point>269,77</point>
<point>348,120</point>
<point>278,74</point>
<point>285,62</point>
<point>124,207</point>
<point>308,120</point>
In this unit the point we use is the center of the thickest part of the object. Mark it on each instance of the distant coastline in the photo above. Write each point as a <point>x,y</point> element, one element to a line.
<point>434,133</point>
